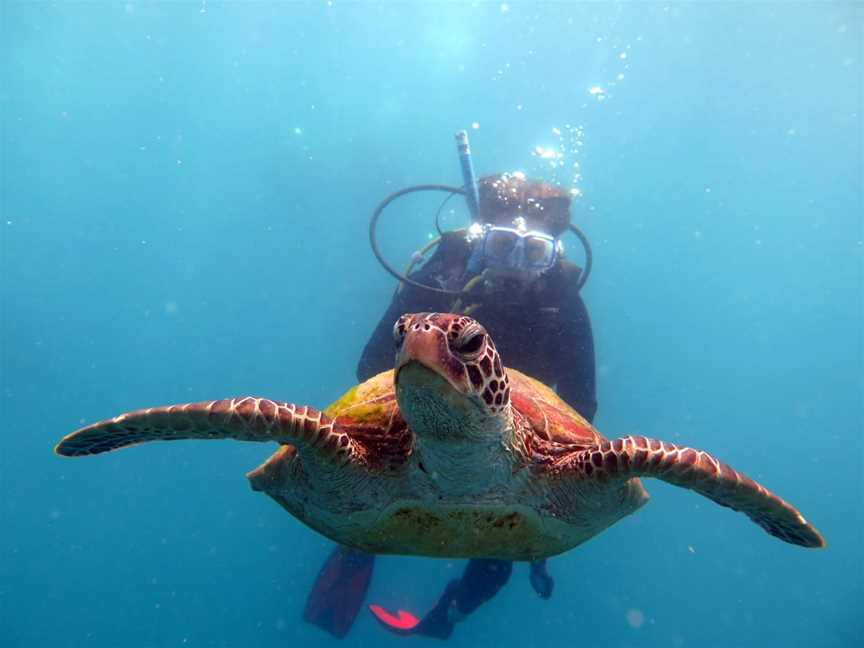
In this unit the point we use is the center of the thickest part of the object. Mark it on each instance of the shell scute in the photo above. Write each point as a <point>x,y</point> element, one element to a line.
<point>550,417</point>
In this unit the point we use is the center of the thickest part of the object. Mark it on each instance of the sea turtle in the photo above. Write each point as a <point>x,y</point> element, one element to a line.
<point>449,455</point>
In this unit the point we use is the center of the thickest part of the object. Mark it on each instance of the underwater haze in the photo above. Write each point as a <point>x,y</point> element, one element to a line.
<point>186,190</point>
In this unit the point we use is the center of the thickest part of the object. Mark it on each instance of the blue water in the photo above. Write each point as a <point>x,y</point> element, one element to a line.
<point>185,192</point>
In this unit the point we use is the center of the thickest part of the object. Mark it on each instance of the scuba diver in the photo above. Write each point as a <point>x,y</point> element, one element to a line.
<point>506,269</point>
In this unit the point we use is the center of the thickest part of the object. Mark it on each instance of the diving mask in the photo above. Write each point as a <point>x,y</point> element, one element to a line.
<point>513,249</point>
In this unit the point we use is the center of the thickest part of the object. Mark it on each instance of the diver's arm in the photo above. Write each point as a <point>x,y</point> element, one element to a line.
<point>378,353</point>
<point>576,382</point>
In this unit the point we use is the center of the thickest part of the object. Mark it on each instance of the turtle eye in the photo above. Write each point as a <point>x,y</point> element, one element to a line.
<point>470,342</point>
<point>399,331</point>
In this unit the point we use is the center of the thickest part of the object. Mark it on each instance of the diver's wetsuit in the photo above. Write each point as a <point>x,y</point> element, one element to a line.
<point>543,331</point>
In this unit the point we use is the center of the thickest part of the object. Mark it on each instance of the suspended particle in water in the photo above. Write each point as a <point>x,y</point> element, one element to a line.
<point>635,618</point>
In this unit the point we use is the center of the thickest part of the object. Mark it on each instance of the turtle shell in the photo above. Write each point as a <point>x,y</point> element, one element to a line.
<point>370,414</point>
<point>551,418</point>
<point>388,516</point>
<point>370,411</point>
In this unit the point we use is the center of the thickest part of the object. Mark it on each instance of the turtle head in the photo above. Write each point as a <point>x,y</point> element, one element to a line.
<point>450,382</point>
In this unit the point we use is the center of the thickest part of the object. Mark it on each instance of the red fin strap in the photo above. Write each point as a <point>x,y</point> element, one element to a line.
<point>401,621</point>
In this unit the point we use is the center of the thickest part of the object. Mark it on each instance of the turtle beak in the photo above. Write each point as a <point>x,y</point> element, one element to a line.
<point>430,349</point>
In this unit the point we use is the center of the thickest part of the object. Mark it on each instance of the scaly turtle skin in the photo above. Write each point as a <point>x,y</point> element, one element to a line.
<point>449,455</point>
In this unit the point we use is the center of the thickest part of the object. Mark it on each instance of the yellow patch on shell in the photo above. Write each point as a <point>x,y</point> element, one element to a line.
<point>356,401</point>
<point>345,401</point>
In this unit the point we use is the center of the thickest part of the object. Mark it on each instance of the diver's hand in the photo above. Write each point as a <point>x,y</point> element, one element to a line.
<point>541,581</point>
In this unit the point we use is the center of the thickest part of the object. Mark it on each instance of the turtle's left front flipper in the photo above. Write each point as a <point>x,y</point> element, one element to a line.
<point>243,419</point>
<point>635,456</point>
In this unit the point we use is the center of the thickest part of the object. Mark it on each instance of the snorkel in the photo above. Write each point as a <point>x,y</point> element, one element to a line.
<point>470,190</point>
<point>469,180</point>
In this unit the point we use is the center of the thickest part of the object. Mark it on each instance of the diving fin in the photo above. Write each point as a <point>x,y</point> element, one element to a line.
<point>438,623</point>
<point>400,623</point>
<point>339,591</point>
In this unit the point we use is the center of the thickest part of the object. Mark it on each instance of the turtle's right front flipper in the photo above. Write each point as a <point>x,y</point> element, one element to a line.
<point>243,419</point>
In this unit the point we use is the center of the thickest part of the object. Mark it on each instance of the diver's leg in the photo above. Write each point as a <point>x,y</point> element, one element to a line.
<point>480,581</point>
<point>339,590</point>
<point>541,581</point>
<point>438,622</point>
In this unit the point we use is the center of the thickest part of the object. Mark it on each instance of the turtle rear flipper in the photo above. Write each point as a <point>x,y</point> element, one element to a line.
<point>635,456</point>
<point>243,419</point>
